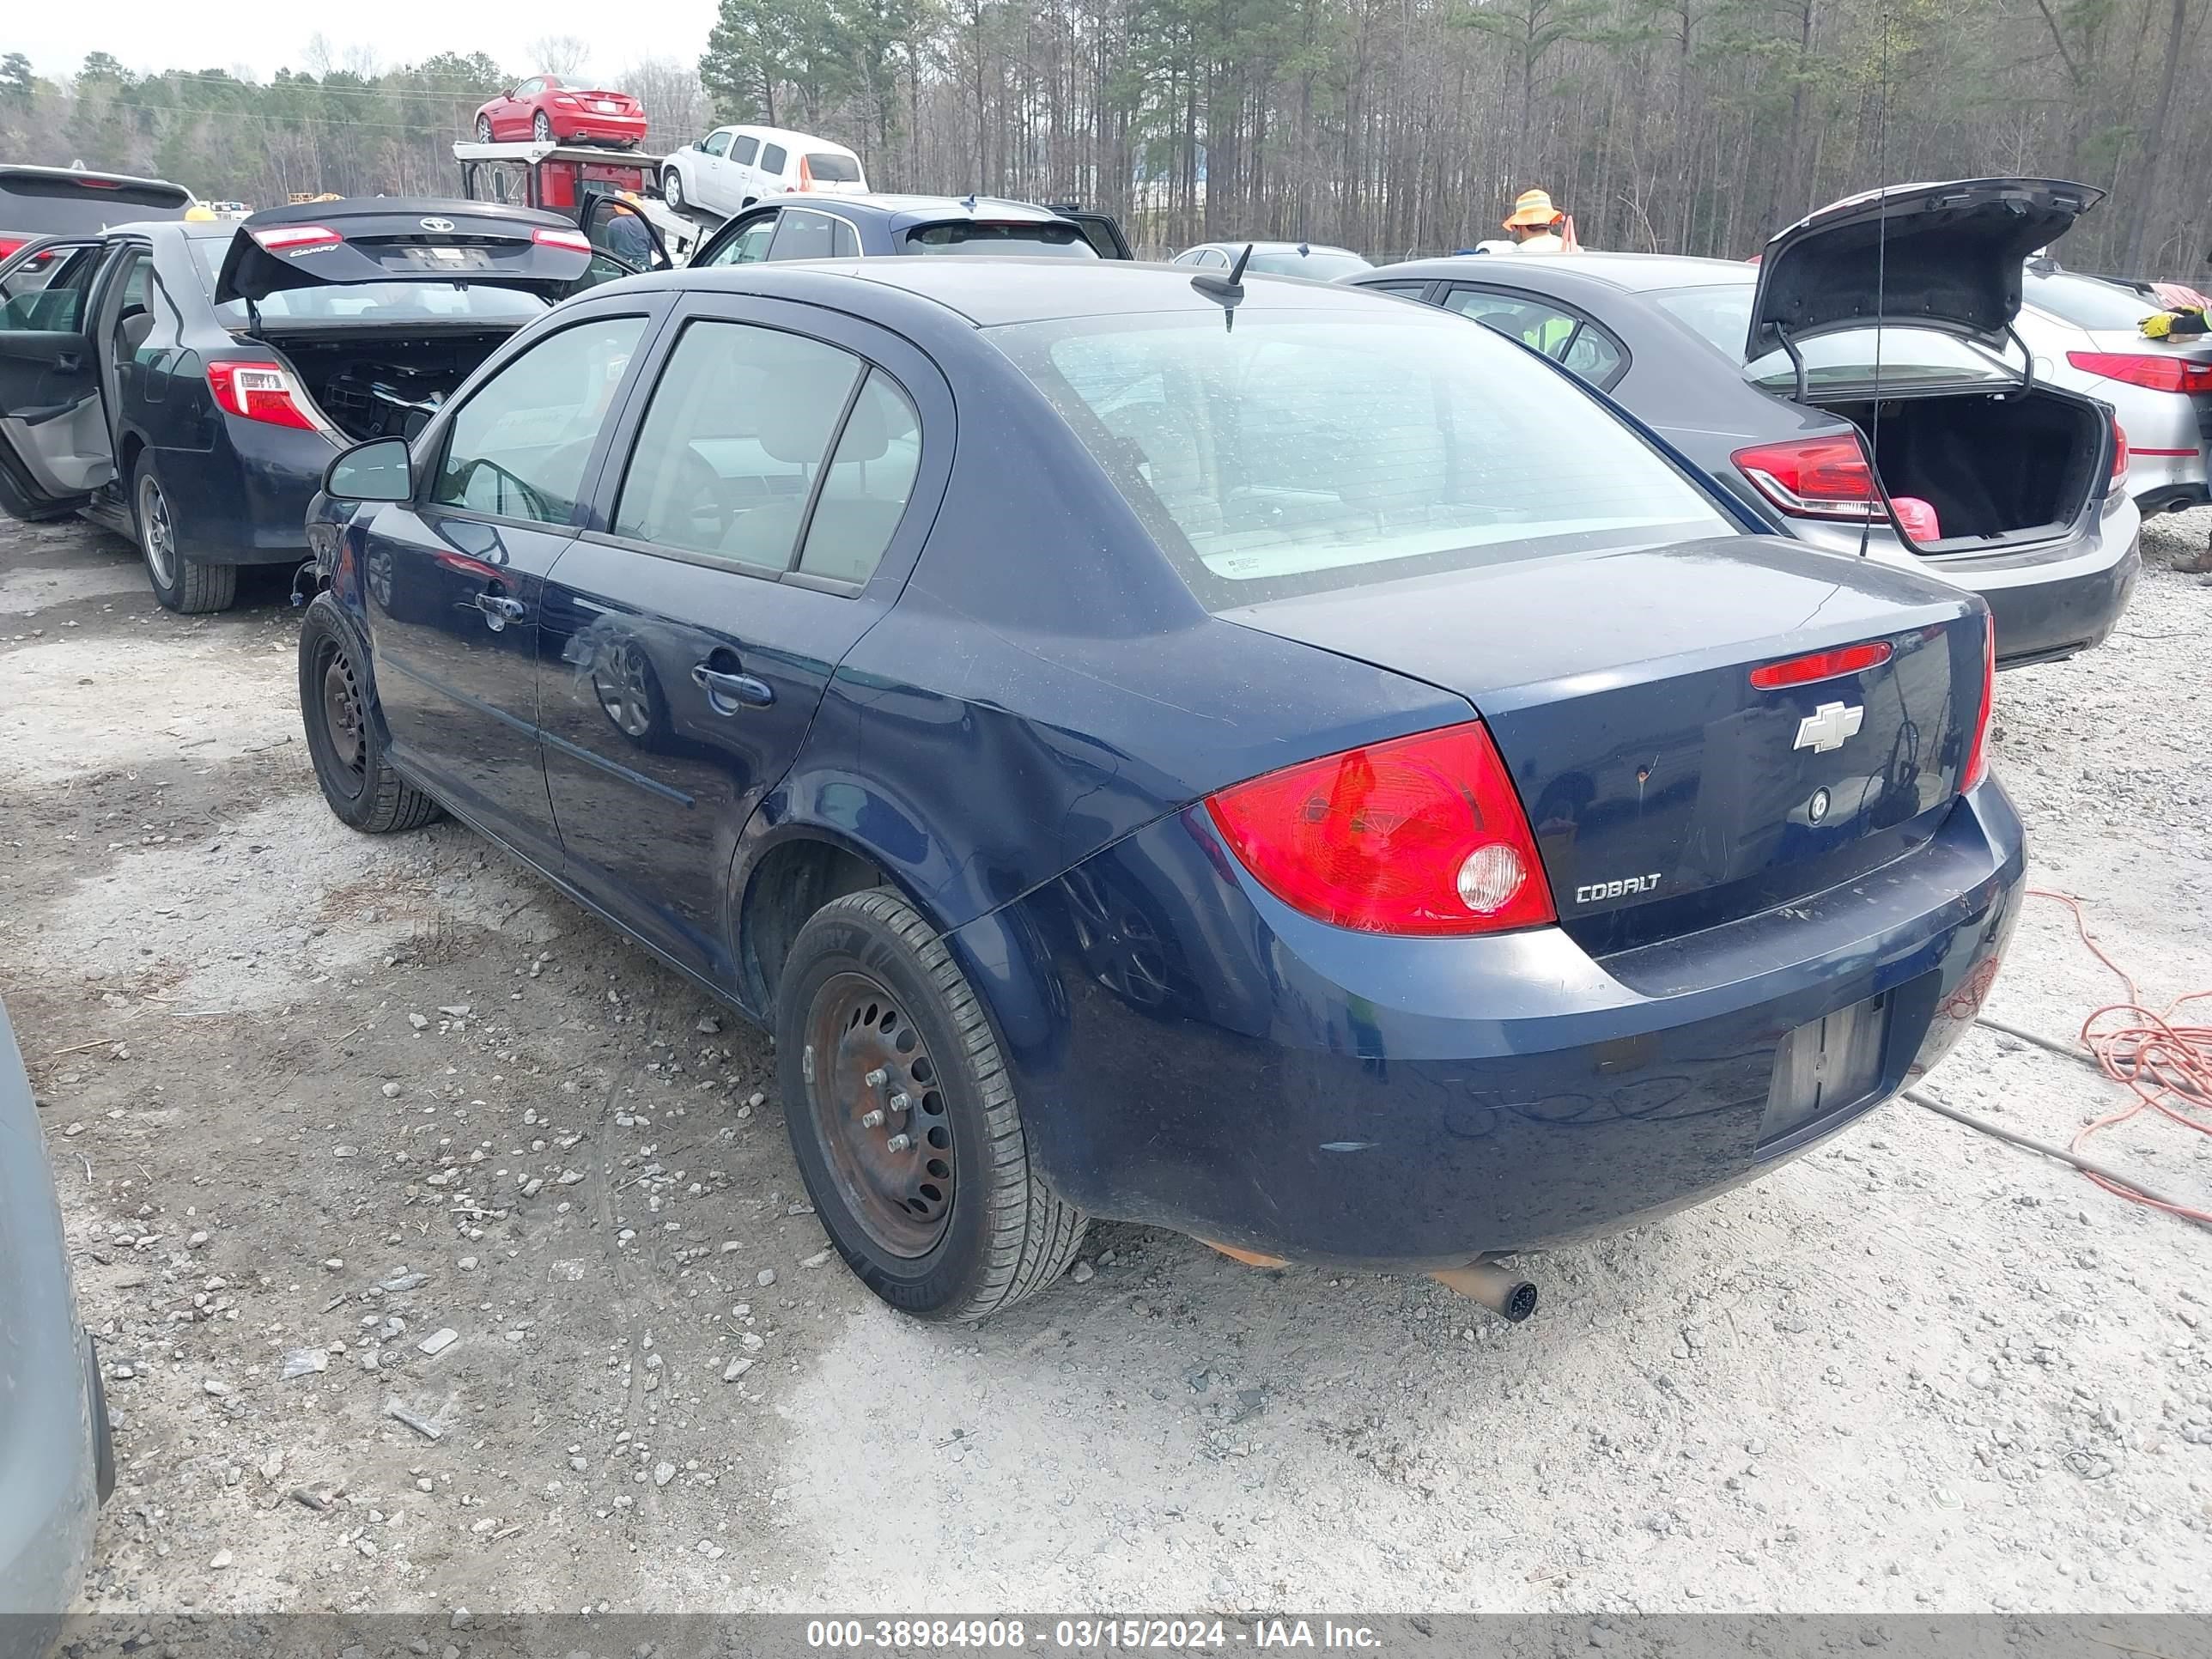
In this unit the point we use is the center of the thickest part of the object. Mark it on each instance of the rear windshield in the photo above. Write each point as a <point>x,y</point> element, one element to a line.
<point>1308,451</point>
<point>833,169</point>
<point>370,302</point>
<point>2087,303</point>
<point>1322,265</point>
<point>1001,240</point>
<point>54,206</point>
<point>1722,313</point>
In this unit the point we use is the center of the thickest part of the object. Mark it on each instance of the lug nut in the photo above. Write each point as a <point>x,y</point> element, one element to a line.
<point>899,1102</point>
<point>876,1078</point>
<point>872,1120</point>
<point>900,1143</point>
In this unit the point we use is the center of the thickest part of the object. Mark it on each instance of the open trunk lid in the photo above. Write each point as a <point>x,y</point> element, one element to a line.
<point>1668,790</point>
<point>399,239</point>
<point>1948,257</point>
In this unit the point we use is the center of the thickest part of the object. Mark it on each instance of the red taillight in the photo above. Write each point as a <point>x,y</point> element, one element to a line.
<point>261,392</point>
<point>1814,477</point>
<point>10,244</point>
<point>2154,373</point>
<point>2119,459</point>
<point>805,175</point>
<point>279,238</point>
<point>1978,756</point>
<point>569,238</point>
<point>564,100</point>
<point>1420,834</point>
<point>1820,665</point>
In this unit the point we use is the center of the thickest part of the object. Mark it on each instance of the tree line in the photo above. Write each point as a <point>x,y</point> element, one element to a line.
<point>1396,127</point>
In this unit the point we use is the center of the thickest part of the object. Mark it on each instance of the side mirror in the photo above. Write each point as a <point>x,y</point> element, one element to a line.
<point>378,470</point>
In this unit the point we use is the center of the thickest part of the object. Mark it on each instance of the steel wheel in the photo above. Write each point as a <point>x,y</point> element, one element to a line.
<point>341,716</point>
<point>672,190</point>
<point>157,534</point>
<point>876,1098</point>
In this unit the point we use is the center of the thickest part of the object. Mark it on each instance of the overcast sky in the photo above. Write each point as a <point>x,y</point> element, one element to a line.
<point>257,37</point>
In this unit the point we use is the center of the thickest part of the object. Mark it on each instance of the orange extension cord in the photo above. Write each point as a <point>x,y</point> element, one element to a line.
<point>2166,1065</point>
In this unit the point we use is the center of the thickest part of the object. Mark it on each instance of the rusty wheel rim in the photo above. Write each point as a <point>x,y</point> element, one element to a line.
<point>878,1100</point>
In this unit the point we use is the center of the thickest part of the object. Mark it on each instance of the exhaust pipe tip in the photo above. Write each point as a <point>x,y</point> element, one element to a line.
<point>1510,1298</point>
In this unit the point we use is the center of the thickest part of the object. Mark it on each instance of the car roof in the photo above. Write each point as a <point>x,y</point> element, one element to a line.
<point>1238,245</point>
<point>898,212</point>
<point>1634,272</point>
<point>786,135</point>
<point>992,293</point>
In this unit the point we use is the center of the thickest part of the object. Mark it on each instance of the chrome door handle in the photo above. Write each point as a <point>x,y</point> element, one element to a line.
<point>498,609</point>
<point>727,693</point>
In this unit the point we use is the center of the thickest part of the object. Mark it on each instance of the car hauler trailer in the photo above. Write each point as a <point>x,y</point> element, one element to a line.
<point>574,180</point>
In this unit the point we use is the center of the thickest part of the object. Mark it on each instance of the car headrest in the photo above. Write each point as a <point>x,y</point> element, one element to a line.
<point>135,329</point>
<point>793,429</point>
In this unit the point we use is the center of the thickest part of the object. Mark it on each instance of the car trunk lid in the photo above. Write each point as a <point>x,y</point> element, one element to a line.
<point>397,239</point>
<point>1947,256</point>
<point>1667,791</point>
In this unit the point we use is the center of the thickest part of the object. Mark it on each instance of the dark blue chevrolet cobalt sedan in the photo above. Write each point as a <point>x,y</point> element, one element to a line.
<point>1261,759</point>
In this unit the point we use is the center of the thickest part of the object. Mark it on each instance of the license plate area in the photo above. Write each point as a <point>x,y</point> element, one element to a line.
<point>1824,1070</point>
<point>441,257</point>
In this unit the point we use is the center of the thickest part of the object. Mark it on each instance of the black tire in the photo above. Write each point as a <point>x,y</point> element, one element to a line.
<point>1003,1234</point>
<point>541,128</point>
<point>356,781</point>
<point>672,190</point>
<point>483,129</point>
<point>180,583</point>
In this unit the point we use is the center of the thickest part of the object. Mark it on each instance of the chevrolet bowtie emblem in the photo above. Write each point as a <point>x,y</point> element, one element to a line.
<point>1826,727</point>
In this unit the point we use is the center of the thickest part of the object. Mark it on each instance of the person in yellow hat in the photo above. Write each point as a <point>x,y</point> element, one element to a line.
<point>1535,223</point>
<point>199,213</point>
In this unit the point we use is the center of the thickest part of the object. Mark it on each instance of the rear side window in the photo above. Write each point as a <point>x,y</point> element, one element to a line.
<point>45,292</point>
<point>829,168</point>
<point>864,494</point>
<point>1561,335</point>
<point>1060,241</point>
<point>804,236</point>
<point>517,449</point>
<point>1311,451</point>
<point>772,158</point>
<point>730,448</point>
<point>744,151</point>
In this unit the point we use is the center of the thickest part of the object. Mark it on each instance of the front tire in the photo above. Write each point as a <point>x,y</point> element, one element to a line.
<point>871,1011</point>
<point>182,584</point>
<point>483,129</point>
<point>672,190</point>
<point>334,706</point>
<point>541,128</point>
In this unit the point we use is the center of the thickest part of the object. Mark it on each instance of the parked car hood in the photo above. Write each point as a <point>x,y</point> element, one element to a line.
<point>402,240</point>
<point>1947,256</point>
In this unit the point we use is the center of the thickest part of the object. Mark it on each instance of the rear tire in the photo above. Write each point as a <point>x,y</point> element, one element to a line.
<point>672,190</point>
<point>541,128</point>
<point>956,1225</point>
<point>180,583</point>
<point>337,707</point>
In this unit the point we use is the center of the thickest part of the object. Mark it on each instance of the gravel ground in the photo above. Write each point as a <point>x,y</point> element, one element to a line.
<point>305,1091</point>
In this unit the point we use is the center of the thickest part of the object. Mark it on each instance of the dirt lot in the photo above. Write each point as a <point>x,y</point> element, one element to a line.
<point>305,1090</point>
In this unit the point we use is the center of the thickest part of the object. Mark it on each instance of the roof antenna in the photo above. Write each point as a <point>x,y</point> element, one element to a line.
<point>1226,291</point>
<point>1881,294</point>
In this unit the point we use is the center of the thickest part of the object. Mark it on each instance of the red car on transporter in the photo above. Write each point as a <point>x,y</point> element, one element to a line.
<point>542,110</point>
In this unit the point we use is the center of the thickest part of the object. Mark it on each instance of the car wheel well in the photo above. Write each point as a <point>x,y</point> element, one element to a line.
<point>793,882</point>
<point>126,458</point>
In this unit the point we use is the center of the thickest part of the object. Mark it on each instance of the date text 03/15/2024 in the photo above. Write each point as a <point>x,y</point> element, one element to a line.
<point>1084,1635</point>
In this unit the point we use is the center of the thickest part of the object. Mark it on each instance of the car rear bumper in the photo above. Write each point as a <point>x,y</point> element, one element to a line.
<point>2049,601</point>
<point>589,127</point>
<point>1191,1053</point>
<point>245,501</point>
